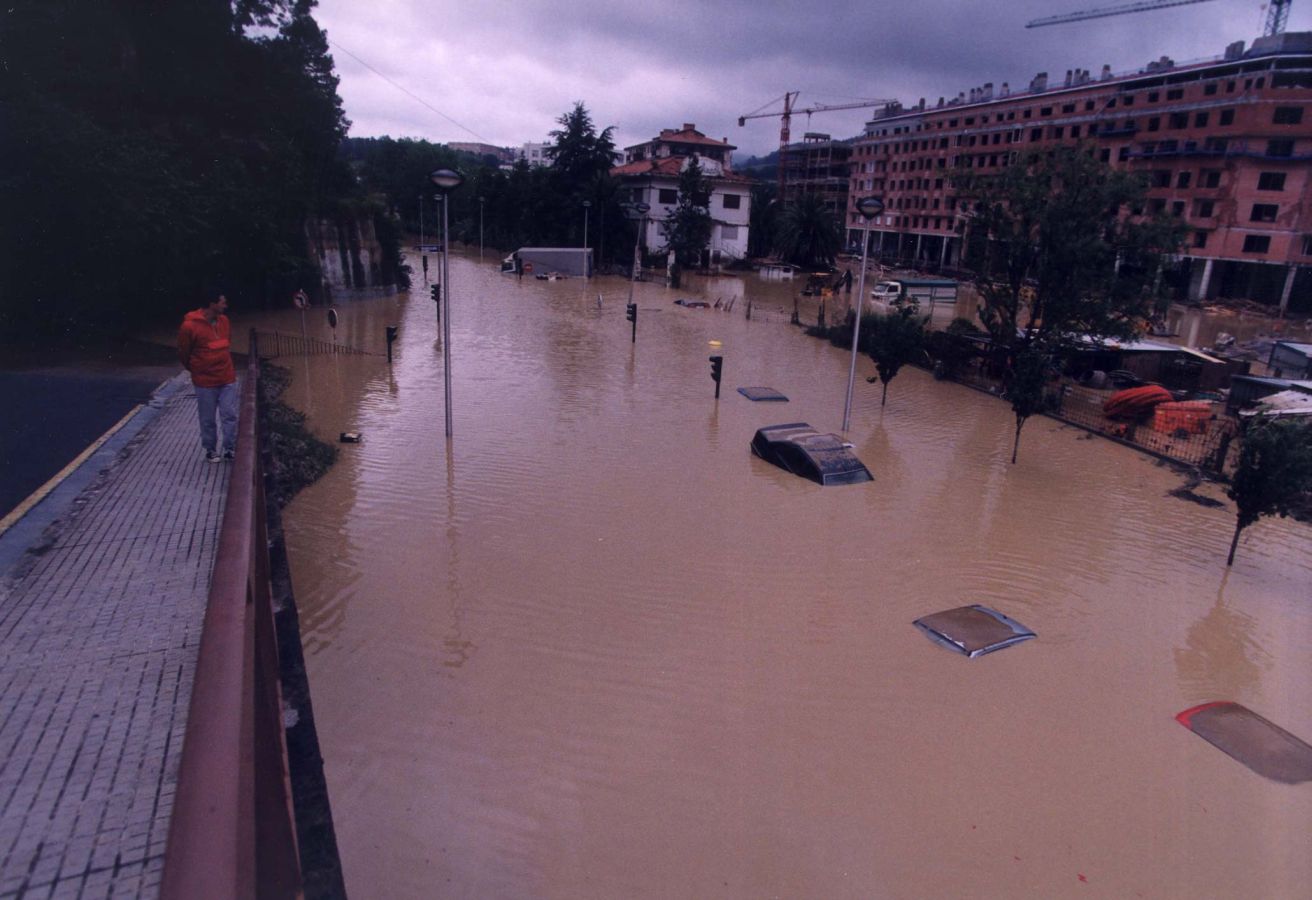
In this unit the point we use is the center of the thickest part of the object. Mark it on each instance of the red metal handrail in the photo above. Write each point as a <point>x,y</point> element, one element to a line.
<point>232,831</point>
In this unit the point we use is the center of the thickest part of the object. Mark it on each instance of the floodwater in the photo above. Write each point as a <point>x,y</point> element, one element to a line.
<point>593,648</point>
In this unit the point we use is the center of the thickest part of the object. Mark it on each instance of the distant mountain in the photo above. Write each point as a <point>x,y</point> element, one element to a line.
<point>762,167</point>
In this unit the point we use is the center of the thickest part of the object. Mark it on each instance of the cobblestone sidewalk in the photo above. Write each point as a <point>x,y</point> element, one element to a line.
<point>100,626</point>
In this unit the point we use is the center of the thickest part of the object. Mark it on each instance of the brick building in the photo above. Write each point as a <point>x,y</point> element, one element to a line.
<point>1226,143</point>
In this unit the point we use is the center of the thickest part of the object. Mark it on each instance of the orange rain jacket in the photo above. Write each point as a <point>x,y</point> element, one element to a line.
<point>205,350</point>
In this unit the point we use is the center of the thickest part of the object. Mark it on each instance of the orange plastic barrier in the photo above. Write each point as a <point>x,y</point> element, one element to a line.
<point>1190,415</point>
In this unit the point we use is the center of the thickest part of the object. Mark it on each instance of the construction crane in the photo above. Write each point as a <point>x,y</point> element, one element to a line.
<point>1277,13</point>
<point>786,119</point>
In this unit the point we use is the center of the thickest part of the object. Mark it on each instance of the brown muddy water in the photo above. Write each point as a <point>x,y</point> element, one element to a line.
<point>593,648</point>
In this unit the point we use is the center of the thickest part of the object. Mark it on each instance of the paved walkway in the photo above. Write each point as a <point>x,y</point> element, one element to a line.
<point>102,596</point>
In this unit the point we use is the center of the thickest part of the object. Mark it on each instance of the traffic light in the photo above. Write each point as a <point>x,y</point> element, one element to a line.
<point>436,291</point>
<point>717,363</point>
<point>631,313</point>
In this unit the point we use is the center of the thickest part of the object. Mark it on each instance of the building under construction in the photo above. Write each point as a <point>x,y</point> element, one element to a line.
<point>819,166</point>
<point>1226,145</point>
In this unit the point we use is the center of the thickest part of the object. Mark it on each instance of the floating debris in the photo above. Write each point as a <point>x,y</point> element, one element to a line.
<point>823,458</point>
<point>973,630</point>
<point>762,393</point>
<point>1242,734</point>
<point>350,437</point>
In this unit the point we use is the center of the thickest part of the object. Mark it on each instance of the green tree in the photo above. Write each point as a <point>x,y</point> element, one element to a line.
<point>1058,250</point>
<point>892,340</point>
<point>764,221</point>
<point>1274,471</point>
<point>1029,375</point>
<point>687,229</point>
<point>578,152</point>
<point>808,235</point>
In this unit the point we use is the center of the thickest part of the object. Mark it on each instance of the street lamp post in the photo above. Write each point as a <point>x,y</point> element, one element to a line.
<point>587,204</point>
<point>868,207</point>
<point>446,180</point>
<point>480,229</point>
<point>421,223</point>
<point>641,209</point>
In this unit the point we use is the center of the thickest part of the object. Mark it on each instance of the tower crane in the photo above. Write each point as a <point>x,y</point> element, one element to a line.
<point>1277,13</point>
<point>786,118</point>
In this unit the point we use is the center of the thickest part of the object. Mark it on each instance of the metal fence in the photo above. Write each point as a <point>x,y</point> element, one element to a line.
<point>1210,445</point>
<point>273,344</point>
<point>232,831</point>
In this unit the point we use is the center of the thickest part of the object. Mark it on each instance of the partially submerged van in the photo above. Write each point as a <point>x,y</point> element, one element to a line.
<point>928,296</point>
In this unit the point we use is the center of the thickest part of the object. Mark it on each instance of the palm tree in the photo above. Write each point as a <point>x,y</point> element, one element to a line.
<point>808,233</point>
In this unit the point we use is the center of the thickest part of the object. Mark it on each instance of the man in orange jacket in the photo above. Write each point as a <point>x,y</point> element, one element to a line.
<point>205,350</point>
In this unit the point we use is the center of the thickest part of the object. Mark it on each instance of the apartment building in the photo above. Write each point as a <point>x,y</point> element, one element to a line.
<point>651,172</point>
<point>1226,144</point>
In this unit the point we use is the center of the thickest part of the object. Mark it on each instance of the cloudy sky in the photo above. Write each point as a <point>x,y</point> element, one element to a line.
<point>502,71</point>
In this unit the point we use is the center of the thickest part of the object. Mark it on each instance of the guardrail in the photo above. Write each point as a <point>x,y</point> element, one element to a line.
<point>232,832</point>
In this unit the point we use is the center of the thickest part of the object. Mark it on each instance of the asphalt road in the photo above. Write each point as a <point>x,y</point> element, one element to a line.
<point>49,416</point>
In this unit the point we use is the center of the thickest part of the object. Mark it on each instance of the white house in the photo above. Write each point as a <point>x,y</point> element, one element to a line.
<point>651,175</point>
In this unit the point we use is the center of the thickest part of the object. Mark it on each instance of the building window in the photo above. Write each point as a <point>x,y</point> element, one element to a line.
<point>1157,205</point>
<point>1105,154</point>
<point>1182,180</point>
<point>1227,117</point>
<point>668,195</point>
<point>1058,131</point>
<point>1200,239</point>
<point>1123,154</point>
<point>1264,212</point>
<point>1127,101</point>
<point>1204,209</point>
<point>1088,106</point>
<point>1154,123</point>
<point>1257,243</point>
<point>732,201</point>
<point>1068,107</point>
<point>1271,181</point>
<point>1209,178</point>
<point>1200,120</point>
<point>1288,115</point>
<point>1179,120</point>
<point>1210,91</point>
<point>1075,131</point>
<point>1045,111</point>
<point>728,232</point>
<point>1280,147</point>
<point>1177,208</point>
<point>1152,96</point>
<point>1036,134</point>
<point>1175,94</point>
<point>1161,178</point>
<point>1026,114</point>
<point>1230,87</point>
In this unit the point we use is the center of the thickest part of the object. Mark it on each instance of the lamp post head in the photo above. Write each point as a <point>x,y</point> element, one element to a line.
<point>869,207</point>
<point>587,203</point>
<point>447,180</point>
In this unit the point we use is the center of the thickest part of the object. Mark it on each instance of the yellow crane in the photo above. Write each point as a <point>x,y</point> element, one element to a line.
<point>1277,13</point>
<point>786,118</point>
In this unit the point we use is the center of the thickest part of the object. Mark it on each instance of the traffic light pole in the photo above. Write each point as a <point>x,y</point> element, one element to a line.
<point>717,372</point>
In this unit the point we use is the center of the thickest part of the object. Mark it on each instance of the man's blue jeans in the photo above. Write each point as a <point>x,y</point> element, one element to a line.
<point>222,400</point>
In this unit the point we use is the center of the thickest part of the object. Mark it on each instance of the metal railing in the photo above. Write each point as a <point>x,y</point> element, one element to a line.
<point>275,343</point>
<point>232,832</point>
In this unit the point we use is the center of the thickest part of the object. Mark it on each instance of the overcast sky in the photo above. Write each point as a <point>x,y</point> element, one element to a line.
<point>502,72</point>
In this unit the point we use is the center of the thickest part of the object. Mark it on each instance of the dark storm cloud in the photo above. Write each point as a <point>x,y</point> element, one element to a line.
<point>504,71</point>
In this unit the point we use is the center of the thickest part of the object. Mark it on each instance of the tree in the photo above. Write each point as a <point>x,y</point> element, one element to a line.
<point>578,153</point>
<point>1059,250</point>
<point>687,229</point>
<point>1274,472</point>
<point>893,340</point>
<point>764,219</point>
<point>1029,374</point>
<point>808,234</point>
